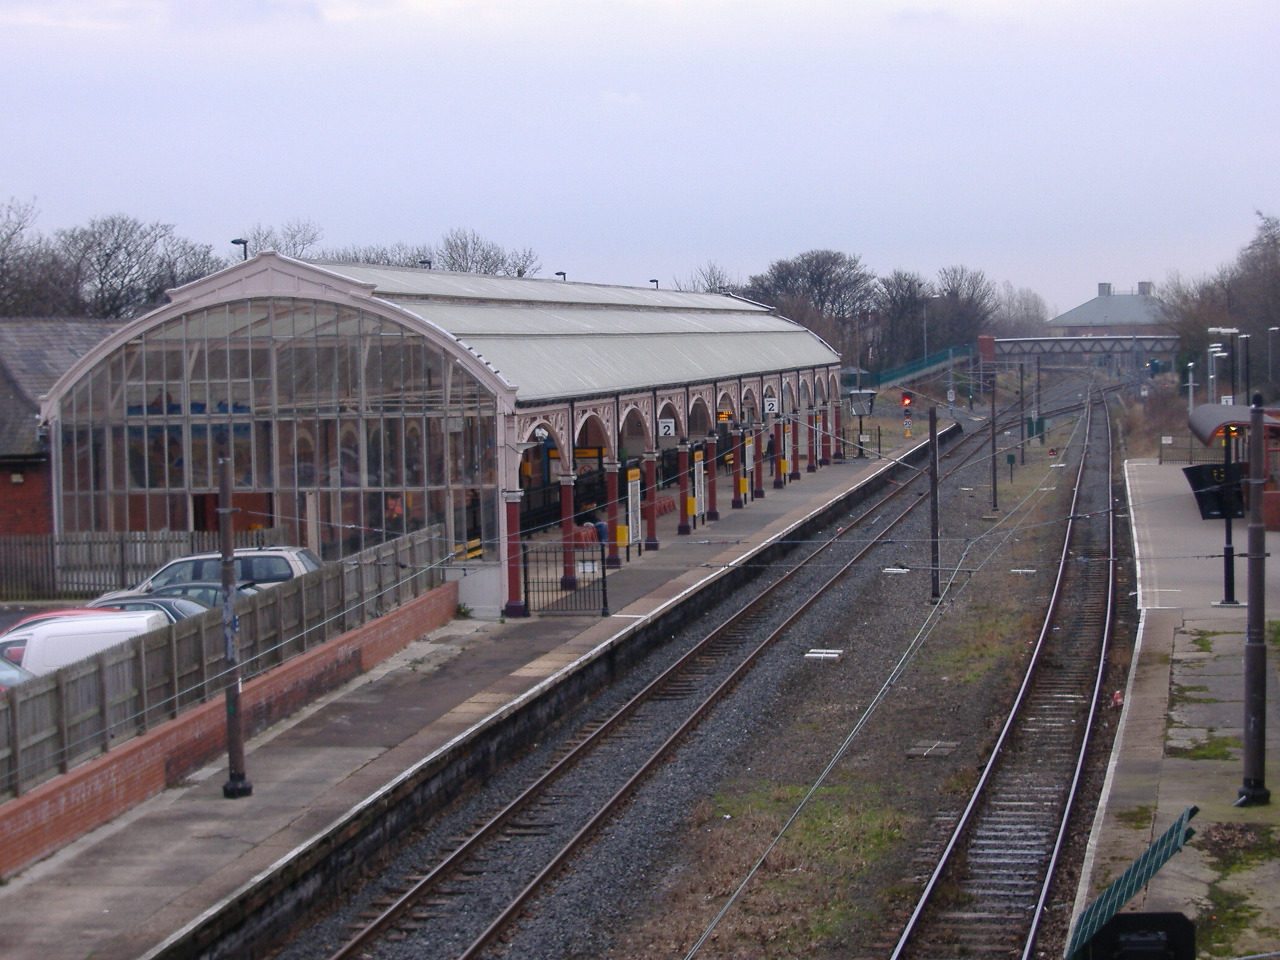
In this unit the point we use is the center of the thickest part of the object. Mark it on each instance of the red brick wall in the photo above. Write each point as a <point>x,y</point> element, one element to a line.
<point>58,811</point>
<point>28,507</point>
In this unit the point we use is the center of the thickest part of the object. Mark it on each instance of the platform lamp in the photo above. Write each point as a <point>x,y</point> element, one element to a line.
<point>1231,332</point>
<point>1244,342</point>
<point>1191,387</point>
<point>1271,375</point>
<point>560,274</point>
<point>655,284</point>
<point>243,244</point>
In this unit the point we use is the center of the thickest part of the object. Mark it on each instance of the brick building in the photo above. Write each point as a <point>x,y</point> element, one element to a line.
<point>33,354</point>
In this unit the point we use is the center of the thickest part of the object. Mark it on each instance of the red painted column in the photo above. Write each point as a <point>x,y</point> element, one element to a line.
<point>826,435</point>
<point>651,507</point>
<point>758,456</point>
<point>569,575</point>
<point>684,528</point>
<point>516,605</point>
<point>838,452</point>
<point>739,484</point>
<point>613,560</point>
<point>795,445</point>
<point>710,466</point>
<point>779,455</point>
<point>811,455</point>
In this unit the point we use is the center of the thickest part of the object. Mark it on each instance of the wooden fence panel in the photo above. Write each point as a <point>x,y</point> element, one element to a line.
<point>53,722</point>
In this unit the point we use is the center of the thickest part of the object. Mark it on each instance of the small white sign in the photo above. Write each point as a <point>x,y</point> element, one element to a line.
<point>1228,401</point>
<point>864,438</point>
<point>951,396</point>
<point>770,404</point>
<point>666,428</point>
<point>1167,441</point>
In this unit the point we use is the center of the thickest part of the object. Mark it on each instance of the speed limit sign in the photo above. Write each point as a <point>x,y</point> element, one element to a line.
<point>907,423</point>
<point>951,396</point>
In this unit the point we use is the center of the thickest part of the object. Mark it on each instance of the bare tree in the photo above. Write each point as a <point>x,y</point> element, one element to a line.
<point>968,301</point>
<point>467,252</point>
<point>822,289</point>
<point>294,239</point>
<point>708,278</point>
<point>114,261</point>
<point>1019,312</point>
<point>897,335</point>
<point>394,255</point>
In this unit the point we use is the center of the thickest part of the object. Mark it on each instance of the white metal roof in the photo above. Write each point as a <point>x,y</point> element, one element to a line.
<point>553,339</point>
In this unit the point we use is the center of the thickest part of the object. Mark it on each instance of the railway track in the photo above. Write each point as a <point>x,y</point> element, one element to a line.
<point>986,894</point>
<point>458,905</point>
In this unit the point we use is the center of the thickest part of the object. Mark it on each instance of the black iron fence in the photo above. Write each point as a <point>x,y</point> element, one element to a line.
<point>560,580</point>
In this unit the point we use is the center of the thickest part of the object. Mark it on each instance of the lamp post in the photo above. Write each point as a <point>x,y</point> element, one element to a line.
<point>243,245</point>
<point>1231,332</point>
<point>1191,387</point>
<point>1271,375</point>
<point>1244,342</point>
<point>560,274</point>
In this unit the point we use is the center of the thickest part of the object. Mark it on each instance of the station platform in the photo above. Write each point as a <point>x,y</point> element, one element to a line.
<point>1181,725</point>
<point>133,888</point>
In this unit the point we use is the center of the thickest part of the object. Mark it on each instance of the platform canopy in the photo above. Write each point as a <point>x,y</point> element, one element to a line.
<point>1208,420</point>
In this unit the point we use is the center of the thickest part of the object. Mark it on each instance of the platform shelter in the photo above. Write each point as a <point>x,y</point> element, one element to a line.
<point>360,402</point>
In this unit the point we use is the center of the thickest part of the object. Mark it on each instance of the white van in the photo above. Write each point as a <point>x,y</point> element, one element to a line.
<point>45,646</point>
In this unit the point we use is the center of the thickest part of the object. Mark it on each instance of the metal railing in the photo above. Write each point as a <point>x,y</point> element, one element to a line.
<point>78,565</point>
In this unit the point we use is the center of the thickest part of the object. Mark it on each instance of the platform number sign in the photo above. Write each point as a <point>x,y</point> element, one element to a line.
<point>666,427</point>
<point>771,405</point>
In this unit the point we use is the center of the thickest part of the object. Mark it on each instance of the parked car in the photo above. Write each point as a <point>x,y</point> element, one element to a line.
<point>174,607</point>
<point>205,592</point>
<point>11,675</point>
<point>44,647</point>
<point>54,614</point>
<point>264,565</point>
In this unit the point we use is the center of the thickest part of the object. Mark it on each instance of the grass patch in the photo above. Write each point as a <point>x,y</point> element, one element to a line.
<point>1137,818</point>
<point>1202,640</point>
<point>791,912</point>
<point>991,632</point>
<point>1214,748</point>
<point>1181,694</point>
<point>1224,918</point>
<point>1238,846</point>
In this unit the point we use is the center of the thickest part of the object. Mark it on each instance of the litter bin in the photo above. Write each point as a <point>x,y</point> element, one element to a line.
<point>1216,489</point>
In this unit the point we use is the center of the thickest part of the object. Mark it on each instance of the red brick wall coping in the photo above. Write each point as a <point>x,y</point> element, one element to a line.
<point>67,807</point>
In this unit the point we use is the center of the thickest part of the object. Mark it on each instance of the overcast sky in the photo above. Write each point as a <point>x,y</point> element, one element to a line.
<point>1050,143</point>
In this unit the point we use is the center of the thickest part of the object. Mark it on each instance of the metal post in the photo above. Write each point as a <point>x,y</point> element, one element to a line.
<point>1228,551</point>
<point>1253,790</point>
<point>1244,338</point>
<point>237,784</point>
<point>936,593</point>
<point>994,500</point>
<point>1191,386</point>
<point>1022,418</point>
<point>604,584</point>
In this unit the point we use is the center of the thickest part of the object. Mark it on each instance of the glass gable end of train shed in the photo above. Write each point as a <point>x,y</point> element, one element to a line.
<point>344,428</point>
